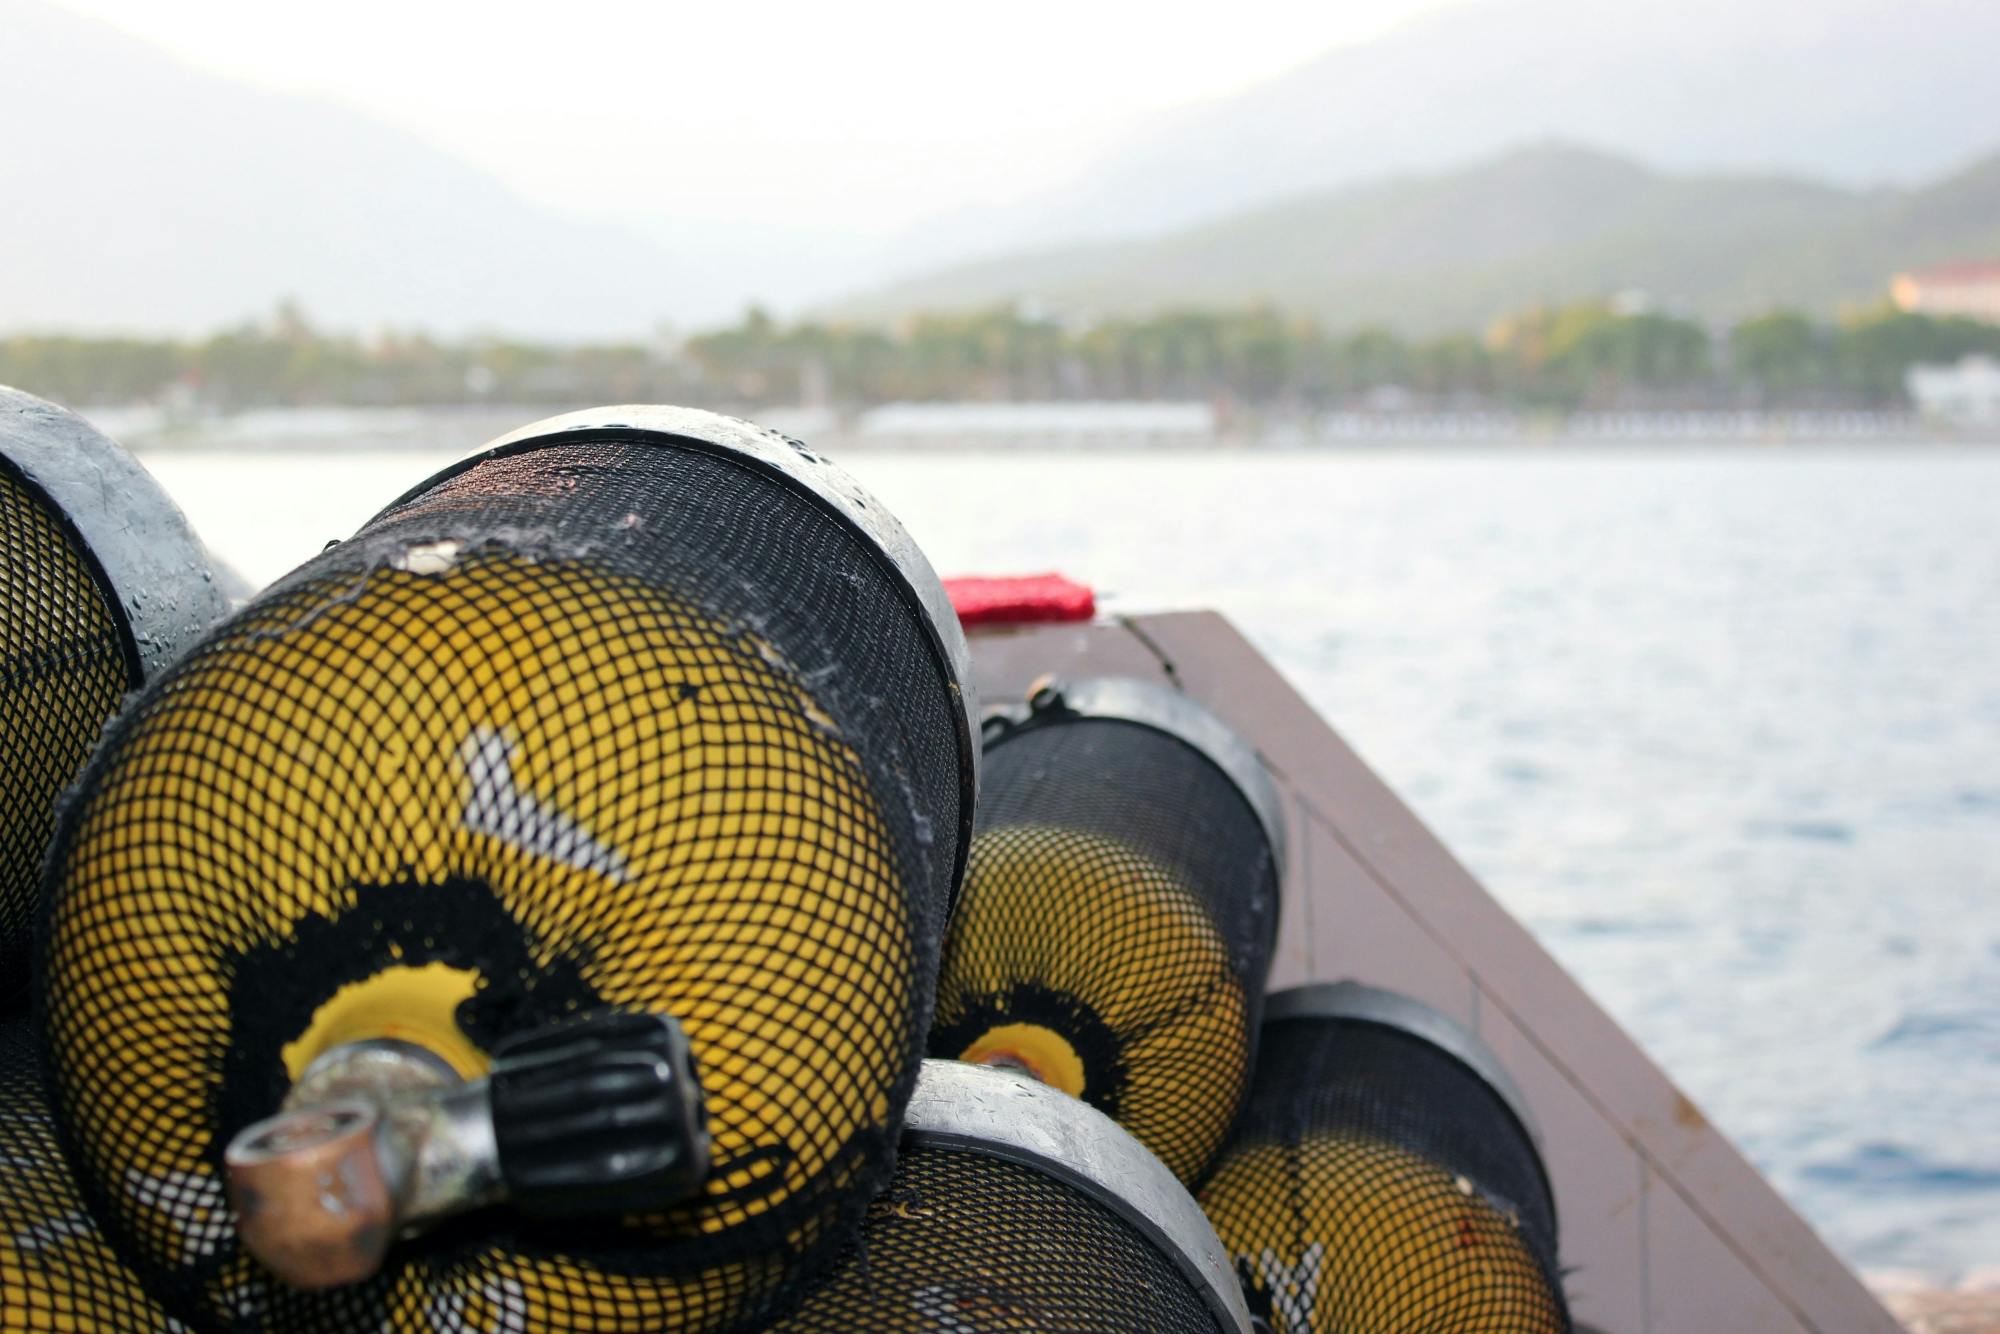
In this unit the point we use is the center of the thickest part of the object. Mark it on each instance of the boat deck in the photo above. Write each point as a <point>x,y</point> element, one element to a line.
<point>1666,1228</point>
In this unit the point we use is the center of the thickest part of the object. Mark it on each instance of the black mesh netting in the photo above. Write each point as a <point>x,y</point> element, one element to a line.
<point>1114,930</point>
<point>603,724</point>
<point>1375,1185</point>
<point>57,1276</point>
<point>962,1243</point>
<point>64,666</point>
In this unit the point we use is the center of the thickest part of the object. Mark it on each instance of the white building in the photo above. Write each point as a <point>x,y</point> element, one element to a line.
<point>1040,425</point>
<point>1967,394</point>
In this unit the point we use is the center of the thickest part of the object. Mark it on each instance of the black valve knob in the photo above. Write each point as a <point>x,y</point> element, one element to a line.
<point>600,1115</point>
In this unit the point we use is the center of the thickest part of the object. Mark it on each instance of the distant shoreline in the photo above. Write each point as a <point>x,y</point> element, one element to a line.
<point>281,430</point>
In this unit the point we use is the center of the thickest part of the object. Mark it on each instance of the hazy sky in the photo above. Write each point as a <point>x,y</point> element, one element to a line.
<point>866,115</point>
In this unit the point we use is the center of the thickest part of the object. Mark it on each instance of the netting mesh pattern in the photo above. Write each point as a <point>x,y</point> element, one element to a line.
<point>961,1243</point>
<point>1375,1185</point>
<point>63,670</point>
<point>1113,932</point>
<point>596,725</point>
<point>57,1275</point>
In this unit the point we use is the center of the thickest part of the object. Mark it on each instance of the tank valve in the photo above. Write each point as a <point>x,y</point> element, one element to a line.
<point>601,1115</point>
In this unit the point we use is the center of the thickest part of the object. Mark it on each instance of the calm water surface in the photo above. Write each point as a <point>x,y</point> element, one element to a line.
<point>1722,728</point>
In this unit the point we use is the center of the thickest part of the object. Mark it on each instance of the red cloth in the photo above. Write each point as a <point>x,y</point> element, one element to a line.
<point>1021,599</point>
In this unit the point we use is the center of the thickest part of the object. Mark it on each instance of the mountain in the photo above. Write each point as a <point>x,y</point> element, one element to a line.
<point>146,195</point>
<point>1549,223</point>
<point>1854,92</point>
<point>149,196</point>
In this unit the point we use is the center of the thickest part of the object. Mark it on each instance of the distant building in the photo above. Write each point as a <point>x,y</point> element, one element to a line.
<point>1967,394</point>
<point>1970,288</point>
<point>1050,425</point>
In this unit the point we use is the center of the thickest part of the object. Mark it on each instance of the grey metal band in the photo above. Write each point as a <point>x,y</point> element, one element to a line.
<point>1357,1002</point>
<point>1126,699</point>
<point>1001,1114</point>
<point>163,580</point>
<point>806,472</point>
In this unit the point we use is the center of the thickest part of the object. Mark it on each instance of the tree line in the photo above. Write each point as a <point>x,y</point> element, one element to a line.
<point>1594,355</point>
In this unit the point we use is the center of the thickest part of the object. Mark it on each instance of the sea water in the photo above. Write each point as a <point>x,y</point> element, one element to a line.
<point>1722,727</point>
